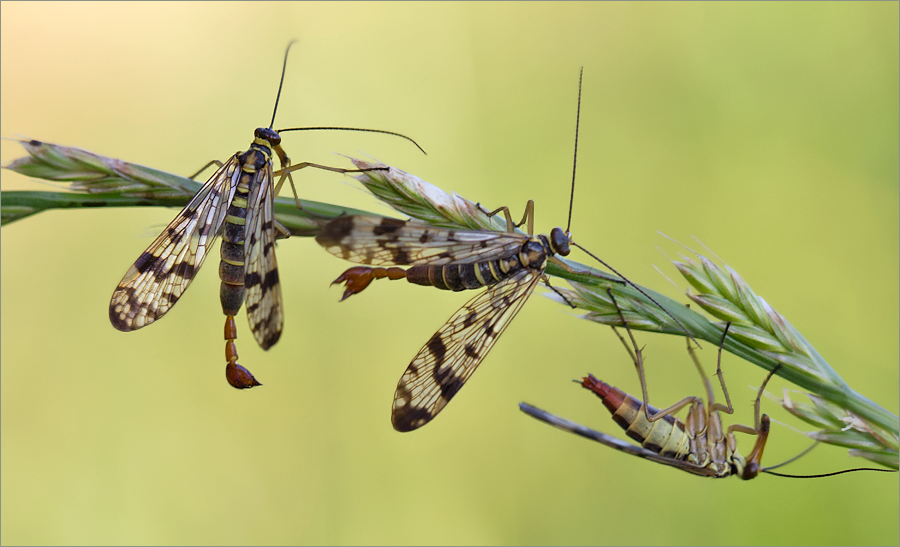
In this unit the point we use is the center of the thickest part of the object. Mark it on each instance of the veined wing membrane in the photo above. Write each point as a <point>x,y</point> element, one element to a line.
<point>163,272</point>
<point>263,290</point>
<point>450,357</point>
<point>369,239</point>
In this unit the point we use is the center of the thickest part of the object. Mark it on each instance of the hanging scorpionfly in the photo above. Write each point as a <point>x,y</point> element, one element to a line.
<point>237,203</point>
<point>510,264</point>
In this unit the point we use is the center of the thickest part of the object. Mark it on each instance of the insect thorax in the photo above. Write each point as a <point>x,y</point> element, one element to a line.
<point>534,253</point>
<point>256,158</point>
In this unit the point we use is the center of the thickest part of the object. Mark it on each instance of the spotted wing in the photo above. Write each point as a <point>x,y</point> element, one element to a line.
<point>163,272</point>
<point>444,364</point>
<point>262,290</point>
<point>370,239</point>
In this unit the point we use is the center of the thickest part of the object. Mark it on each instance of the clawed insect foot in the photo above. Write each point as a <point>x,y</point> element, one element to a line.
<point>239,377</point>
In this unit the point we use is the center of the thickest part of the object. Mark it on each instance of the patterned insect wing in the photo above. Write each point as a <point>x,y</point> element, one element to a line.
<point>163,272</point>
<point>375,240</point>
<point>263,290</point>
<point>450,357</point>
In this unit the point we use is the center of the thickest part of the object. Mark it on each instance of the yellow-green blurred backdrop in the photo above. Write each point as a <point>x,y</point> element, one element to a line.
<point>769,131</point>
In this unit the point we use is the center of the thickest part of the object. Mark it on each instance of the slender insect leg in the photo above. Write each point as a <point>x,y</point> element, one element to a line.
<point>760,430</point>
<point>706,383</point>
<point>238,376</point>
<point>285,173</point>
<point>546,281</point>
<point>280,231</point>
<point>638,359</point>
<point>757,418</point>
<point>217,163</point>
<point>510,227</point>
<point>726,408</point>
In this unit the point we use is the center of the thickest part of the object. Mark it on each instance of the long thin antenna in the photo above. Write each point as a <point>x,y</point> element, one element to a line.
<point>822,475</point>
<point>572,200</point>
<point>575,160</point>
<point>795,458</point>
<point>818,476</point>
<point>353,129</point>
<point>278,97</point>
<point>640,290</point>
<point>283,69</point>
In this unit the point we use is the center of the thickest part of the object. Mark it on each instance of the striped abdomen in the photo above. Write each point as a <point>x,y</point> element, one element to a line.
<point>666,436</point>
<point>231,265</point>
<point>459,277</point>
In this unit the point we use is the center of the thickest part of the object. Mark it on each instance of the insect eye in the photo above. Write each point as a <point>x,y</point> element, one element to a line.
<point>267,134</point>
<point>559,240</point>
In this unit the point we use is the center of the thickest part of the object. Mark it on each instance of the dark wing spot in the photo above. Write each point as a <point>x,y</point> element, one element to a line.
<point>144,261</point>
<point>467,322</point>
<point>388,226</point>
<point>185,270</point>
<point>471,353</point>
<point>408,418</point>
<point>271,339</point>
<point>438,350</point>
<point>335,231</point>
<point>271,279</point>
<point>400,256</point>
<point>451,388</point>
<point>174,234</point>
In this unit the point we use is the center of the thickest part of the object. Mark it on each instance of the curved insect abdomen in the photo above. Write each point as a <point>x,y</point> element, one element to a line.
<point>666,436</point>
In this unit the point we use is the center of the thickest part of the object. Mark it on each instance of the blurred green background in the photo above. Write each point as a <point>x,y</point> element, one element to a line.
<point>769,131</point>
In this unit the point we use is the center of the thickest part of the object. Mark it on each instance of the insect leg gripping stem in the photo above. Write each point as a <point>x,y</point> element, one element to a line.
<point>510,226</point>
<point>285,174</point>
